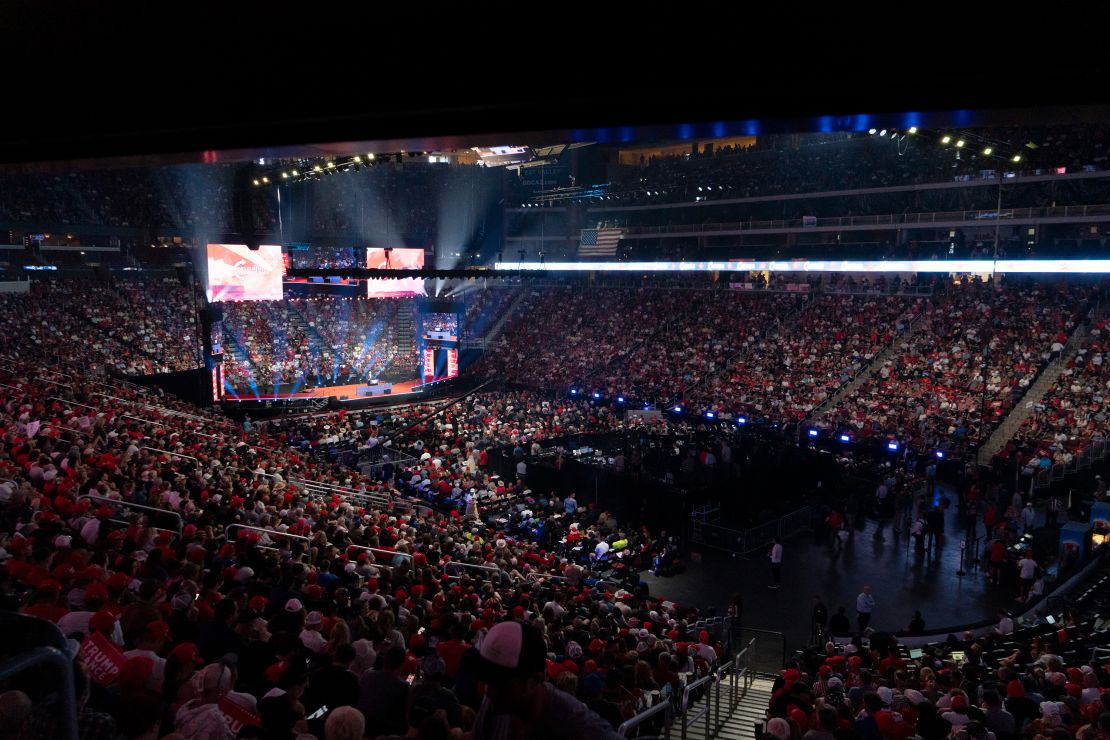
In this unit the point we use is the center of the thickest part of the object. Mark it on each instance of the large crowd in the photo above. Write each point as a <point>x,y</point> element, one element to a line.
<point>131,327</point>
<point>977,351</point>
<point>320,600</point>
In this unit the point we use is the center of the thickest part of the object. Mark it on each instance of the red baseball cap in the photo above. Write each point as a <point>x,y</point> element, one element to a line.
<point>187,652</point>
<point>158,629</point>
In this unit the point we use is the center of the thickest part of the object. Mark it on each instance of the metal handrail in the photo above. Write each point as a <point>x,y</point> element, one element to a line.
<point>472,566</point>
<point>632,722</point>
<point>272,532</point>
<point>140,507</point>
<point>391,553</point>
<point>687,720</point>
<point>167,452</point>
<point>71,403</point>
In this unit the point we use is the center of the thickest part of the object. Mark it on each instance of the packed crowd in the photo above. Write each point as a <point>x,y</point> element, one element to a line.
<point>1072,413</point>
<point>935,391</point>
<point>1035,678</point>
<point>313,341</point>
<point>316,615</point>
<point>127,326</point>
<point>484,307</point>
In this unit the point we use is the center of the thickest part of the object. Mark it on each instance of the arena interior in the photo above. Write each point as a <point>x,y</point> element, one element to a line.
<point>727,429</point>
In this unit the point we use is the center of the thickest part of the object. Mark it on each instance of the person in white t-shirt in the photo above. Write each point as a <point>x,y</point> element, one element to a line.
<point>1027,572</point>
<point>775,556</point>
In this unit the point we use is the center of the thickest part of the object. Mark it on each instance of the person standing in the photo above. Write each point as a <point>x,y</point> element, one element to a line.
<point>1053,514</point>
<point>820,620</point>
<point>865,604</point>
<point>1028,517</point>
<point>775,556</point>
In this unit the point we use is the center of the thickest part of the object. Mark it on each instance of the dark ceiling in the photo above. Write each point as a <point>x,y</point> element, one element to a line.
<point>114,84</point>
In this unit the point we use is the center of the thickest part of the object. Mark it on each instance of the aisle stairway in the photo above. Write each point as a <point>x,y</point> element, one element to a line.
<point>865,373</point>
<point>1036,393</point>
<point>741,724</point>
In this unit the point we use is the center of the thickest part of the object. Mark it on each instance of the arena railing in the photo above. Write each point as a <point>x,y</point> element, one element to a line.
<point>269,532</point>
<point>392,554</point>
<point>662,707</point>
<point>138,508</point>
<point>169,452</point>
<point>739,680</point>
<point>471,566</point>
<point>688,720</point>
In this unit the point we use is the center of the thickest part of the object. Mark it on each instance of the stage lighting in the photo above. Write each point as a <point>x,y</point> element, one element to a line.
<point>892,446</point>
<point>699,188</point>
<point>574,391</point>
<point>946,139</point>
<point>871,131</point>
<point>678,409</point>
<point>940,454</point>
<point>358,159</point>
<point>256,182</point>
<point>987,151</point>
<point>1017,158</point>
<point>284,175</point>
<point>317,168</point>
<point>883,132</point>
<point>331,165</point>
<point>597,395</point>
<point>741,420</point>
<point>266,180</point>
<point>812,433</point>
<point>295,173</point>
<point>845,438</point>
<point>710,415</point>
<point>959,144</point>
<point>913,129</point>
<point>620,399</point>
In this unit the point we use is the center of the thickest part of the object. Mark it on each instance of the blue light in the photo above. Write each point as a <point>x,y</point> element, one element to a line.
<point>741,420</point>
<point>597,395</point>
<point>940,454</point>
<point>845,438</point>
<point>574,391</point>
<point>620,399</point>
<point>678,409</point>
<point>812,432</point>
<point>892,446</point>
<point>710,415</point>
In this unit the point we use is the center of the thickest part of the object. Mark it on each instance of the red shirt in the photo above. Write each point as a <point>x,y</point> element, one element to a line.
<point>451,651</point>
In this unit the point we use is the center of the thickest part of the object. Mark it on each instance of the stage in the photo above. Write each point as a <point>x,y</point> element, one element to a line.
<point>402,389</point>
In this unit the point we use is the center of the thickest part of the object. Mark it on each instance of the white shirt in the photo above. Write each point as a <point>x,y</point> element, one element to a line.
<point>1027,567</point>
<point>776,553</point>
<point>865,603</point>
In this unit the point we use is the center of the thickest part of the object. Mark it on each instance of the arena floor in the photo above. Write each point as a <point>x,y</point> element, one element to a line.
<point>900,582</point>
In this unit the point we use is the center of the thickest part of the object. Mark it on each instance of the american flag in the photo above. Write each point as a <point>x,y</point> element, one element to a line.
<point>599,242</point>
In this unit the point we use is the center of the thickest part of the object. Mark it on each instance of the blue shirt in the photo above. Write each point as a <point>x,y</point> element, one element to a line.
<point>569,505</point>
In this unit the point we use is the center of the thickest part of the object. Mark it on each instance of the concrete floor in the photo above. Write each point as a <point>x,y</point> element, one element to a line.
<point>876,555</point>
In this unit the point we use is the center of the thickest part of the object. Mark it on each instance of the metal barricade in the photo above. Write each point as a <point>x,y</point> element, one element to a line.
<point>664,707</point>
<point>687,719</point>
<point>765,655</point>
<point>472,566</point>
<point>138,507</point>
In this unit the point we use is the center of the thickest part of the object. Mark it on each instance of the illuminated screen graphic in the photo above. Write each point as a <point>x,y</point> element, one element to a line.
<point>395,259</point>
<point>1073,266</point>
<point>236,273</point>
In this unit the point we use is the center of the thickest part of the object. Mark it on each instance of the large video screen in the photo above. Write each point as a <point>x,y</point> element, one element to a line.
<point>236,273</point>
<point>441,326</point>
<point>394,259</point>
